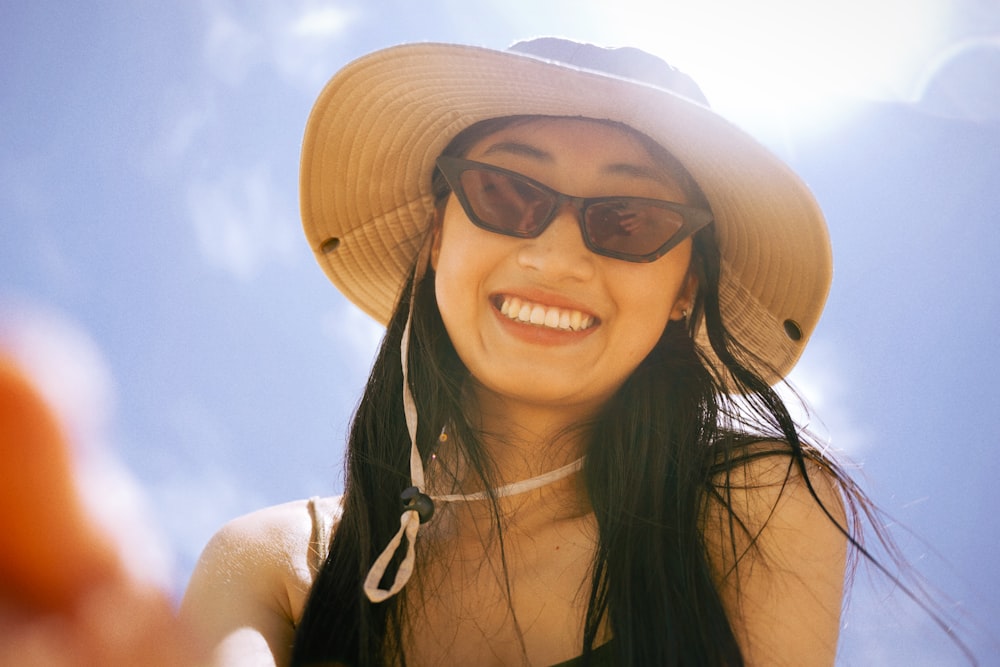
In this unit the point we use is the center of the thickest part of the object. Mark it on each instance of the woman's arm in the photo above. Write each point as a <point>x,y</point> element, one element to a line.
<point>783,590</point>
<point>250,585</point>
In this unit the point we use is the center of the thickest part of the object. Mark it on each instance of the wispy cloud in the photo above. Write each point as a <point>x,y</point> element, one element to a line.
<point>355,332</point>
<point>819,382</point>
<point>322,22</point>
<point>242,219</point>
<point>296,39</point>
<point>232,47</point>
<point>183,129</point>
<point>305,50</point>
<point>241,222</point>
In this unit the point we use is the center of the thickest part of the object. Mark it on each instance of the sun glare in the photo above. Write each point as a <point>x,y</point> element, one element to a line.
<point>788,61</point>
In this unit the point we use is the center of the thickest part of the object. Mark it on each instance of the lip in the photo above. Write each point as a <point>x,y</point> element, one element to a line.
<point>533,333</point>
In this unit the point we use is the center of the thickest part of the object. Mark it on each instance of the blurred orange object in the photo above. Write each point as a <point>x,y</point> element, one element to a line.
<point>66,599</point>
<point>51,553</point>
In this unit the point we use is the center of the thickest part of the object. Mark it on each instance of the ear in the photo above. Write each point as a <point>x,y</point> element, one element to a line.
<point>684,303</point>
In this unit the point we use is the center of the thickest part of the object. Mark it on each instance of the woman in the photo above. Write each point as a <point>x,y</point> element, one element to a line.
<point>580,266</point>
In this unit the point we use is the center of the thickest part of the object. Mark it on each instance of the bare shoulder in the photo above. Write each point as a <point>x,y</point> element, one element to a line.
<point>768,478</point>
<point>775,543</point>
<point>250,585</point>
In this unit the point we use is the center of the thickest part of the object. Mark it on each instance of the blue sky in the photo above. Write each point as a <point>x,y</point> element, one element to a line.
<point>152,269</point>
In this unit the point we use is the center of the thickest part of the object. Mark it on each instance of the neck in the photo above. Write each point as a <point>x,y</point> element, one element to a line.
<point>525,439</point>
<point>522,442</point>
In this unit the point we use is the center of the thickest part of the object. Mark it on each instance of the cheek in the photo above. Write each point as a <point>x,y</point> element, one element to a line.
<point>647,298</point>
<point>650,310</point>
<point>449,260</point>
<point>461,259</point>
<point>450,277</point>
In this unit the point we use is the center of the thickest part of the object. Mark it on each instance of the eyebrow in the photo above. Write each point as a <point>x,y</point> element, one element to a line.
<point>617,168</point>
<point>517,148</point>
<point>637,171</point>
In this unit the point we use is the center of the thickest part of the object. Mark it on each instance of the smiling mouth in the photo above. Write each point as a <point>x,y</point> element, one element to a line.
<point>551,317</point>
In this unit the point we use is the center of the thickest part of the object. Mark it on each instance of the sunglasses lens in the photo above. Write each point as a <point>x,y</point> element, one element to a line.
<point>631,227</point>
<point>505,204</point>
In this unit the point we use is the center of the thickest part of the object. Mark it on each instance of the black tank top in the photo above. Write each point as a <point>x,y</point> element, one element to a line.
<point>602,656</point>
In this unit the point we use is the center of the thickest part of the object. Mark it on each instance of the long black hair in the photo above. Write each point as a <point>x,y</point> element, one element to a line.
<point>659,452</point>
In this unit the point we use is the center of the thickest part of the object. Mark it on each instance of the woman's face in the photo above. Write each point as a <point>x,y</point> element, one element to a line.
<point>488,284</point>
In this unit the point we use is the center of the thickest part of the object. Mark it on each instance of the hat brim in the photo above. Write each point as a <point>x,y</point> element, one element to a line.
<point>380,123</point>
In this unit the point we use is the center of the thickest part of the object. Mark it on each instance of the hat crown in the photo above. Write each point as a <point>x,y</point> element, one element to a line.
<point>622,62</point>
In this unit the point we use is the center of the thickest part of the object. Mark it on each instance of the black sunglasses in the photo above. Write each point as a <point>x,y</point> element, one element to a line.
<point>634,229</point>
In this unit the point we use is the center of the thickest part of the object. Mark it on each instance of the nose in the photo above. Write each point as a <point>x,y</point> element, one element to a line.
<point>559,252</point>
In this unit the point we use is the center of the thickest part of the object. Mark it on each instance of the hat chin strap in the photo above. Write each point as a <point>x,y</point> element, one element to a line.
<point>409,520</point>
<point>419,507</point>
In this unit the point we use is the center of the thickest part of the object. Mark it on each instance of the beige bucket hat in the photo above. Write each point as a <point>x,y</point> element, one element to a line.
<point>380,123</point>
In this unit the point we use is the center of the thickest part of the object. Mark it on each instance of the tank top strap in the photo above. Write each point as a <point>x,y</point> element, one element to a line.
<point>324,513</point>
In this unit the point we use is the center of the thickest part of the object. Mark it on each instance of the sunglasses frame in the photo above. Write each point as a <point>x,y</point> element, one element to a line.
<point>694,217</point>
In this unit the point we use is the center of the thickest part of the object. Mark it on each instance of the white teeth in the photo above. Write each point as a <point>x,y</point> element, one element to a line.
<point>546,316</point>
